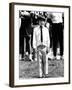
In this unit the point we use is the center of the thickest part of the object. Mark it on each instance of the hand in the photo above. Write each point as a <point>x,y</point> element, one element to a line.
<point>30,36</point>
<point>34,50</point>
<point>47,50</point>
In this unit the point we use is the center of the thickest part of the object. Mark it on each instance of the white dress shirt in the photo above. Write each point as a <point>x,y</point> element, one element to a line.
<point>37,37</point>
<point>57,17</point>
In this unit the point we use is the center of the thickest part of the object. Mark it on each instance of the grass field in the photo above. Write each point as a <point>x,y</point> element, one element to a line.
<point>29,69</point>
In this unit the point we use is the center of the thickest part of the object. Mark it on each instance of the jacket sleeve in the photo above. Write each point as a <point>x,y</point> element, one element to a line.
<point>19,23</point>
<point>34,38</point>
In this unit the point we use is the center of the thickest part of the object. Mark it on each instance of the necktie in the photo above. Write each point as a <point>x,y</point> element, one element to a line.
<point>41,34</point>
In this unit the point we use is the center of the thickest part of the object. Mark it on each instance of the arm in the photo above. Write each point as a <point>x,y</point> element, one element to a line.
<point>34,38</point>
<point>48,41</point>
<point>19,23</point>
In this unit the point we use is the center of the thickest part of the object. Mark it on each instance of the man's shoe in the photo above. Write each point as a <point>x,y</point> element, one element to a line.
<point>54,58</point>
<point>61,57</point>
<point>30,57</point>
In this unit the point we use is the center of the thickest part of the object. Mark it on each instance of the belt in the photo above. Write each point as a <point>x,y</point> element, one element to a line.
<point>41,46</point>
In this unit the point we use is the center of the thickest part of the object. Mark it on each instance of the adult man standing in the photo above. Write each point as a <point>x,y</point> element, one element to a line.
<point>57,33</point>
<point>41,43</point>
<point>25,34</point>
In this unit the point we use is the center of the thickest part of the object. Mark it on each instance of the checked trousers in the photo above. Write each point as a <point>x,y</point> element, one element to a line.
<point>42,60</point>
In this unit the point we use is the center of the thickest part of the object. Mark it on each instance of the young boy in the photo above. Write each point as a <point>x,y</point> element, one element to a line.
<point>41,43</point>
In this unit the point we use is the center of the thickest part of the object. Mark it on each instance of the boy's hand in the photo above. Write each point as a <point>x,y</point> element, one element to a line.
<point>47,50</point>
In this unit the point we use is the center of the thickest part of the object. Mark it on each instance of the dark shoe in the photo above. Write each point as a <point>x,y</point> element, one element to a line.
<point>61,58</point>
<point>43,75</point>
<point>49,59</point>
<point>54,58</point>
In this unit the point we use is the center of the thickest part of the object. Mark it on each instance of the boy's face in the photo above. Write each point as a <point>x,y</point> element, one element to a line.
<point>41,22</point>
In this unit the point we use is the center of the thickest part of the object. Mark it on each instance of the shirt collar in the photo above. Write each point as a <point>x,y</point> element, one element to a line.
<point>42,26</point>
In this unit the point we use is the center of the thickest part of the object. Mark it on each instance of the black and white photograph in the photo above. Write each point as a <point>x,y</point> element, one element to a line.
<point>41,44</point>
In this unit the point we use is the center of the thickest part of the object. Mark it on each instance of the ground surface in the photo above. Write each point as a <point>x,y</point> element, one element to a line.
<point>29,69</point>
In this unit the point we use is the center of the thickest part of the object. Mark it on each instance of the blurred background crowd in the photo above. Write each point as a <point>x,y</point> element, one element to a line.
<point>28,20</point>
